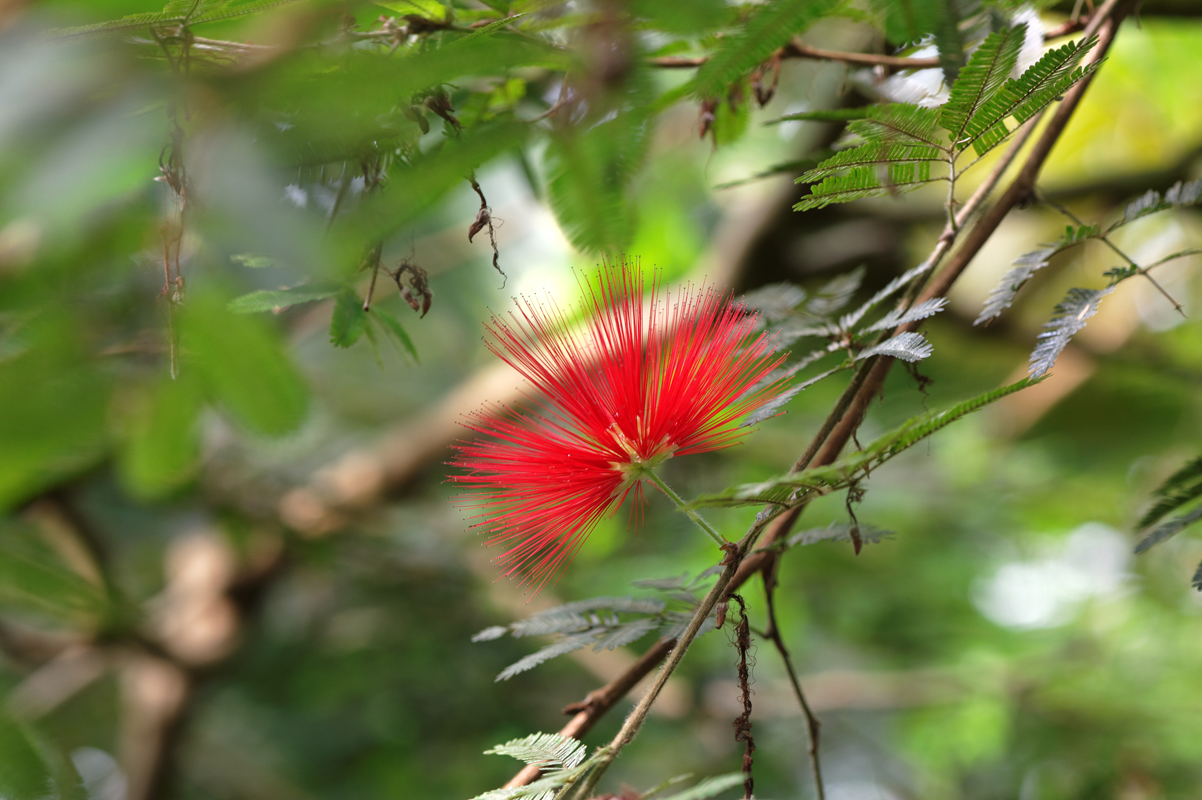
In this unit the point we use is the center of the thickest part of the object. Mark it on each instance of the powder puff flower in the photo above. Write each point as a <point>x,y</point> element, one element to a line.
<point>642,379</point>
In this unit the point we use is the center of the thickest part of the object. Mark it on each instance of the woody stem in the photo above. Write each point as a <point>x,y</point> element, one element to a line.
<point>683,506</point>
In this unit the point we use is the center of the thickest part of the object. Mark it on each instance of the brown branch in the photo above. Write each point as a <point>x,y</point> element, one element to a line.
<point>798,49</point>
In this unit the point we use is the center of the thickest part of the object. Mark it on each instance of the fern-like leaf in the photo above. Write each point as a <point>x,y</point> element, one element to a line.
<point>1167,530</point>
<point>770,409</point>
<point>901,316</point>
<point>769,28</point>
<point>873,154</point>
<point>848,321</point>
<point>864,182</point>
<point>710,787</point>
<point>1026,265</point>
<point>981,78</point>
<point>1069,318</point>
<point>1183,477</point>
<point>562,647</point>
<point>178,13</point>
<point>775,301</point>
<point>838,532</point>
<point>626,633</point>
<point>1002,295</point>
<point>905,346</point>
<point>1151,201</point>
<point>543,750</point>
<point>1170,501</point>
<point>899,123</point>
<point>1027,95</point>
<point>793,488</point>
<point>835,293</point>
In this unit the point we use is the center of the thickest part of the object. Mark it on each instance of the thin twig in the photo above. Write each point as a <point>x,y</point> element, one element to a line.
<point>773,634</point>
<point>635,721</point>
<point>1106,241</point>
<point>742,723</point>
<point>797,49</point>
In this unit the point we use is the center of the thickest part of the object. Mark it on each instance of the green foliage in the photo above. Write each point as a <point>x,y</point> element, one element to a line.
<point>33,578</point>
<point>242,365</point>
<point>796,488</point>
<point>53,405</point>
<point>771,26</point>
<point>597,622</point>
<point>1180,489</point>
<point>181,13</point>
<point>900,142</point>
<point>162,442</point>
<point>24,772</point>
<point>544,750</point>
<point>562,758</point>
<point>349,319</point>
<point>1151,201</point>
<point>589,176</point>
<point>979,83</point>
<point>278,299</point>
<point>709,787</point>
<point>392,326</point>
<point>891,169</point>
<point>1026,265</point>
<point>1069,318</point>
<point>1023,97</point>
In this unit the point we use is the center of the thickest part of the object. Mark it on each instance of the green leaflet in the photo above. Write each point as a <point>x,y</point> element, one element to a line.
<point>989,67</point>
<point>1025,96</point>
<point>793,489</point>
<point>898,123</point>
<point>180,12</point>
<point>871,155</point>
<point>741,52</point>
<point>868,181</point>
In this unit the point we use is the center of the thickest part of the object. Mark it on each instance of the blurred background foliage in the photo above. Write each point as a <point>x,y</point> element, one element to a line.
<point>228,568</point>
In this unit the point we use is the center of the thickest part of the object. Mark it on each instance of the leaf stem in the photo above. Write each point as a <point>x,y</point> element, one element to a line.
<point>681,505</point>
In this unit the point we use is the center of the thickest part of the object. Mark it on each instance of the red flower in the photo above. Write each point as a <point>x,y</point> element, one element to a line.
<point>642,382</point>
